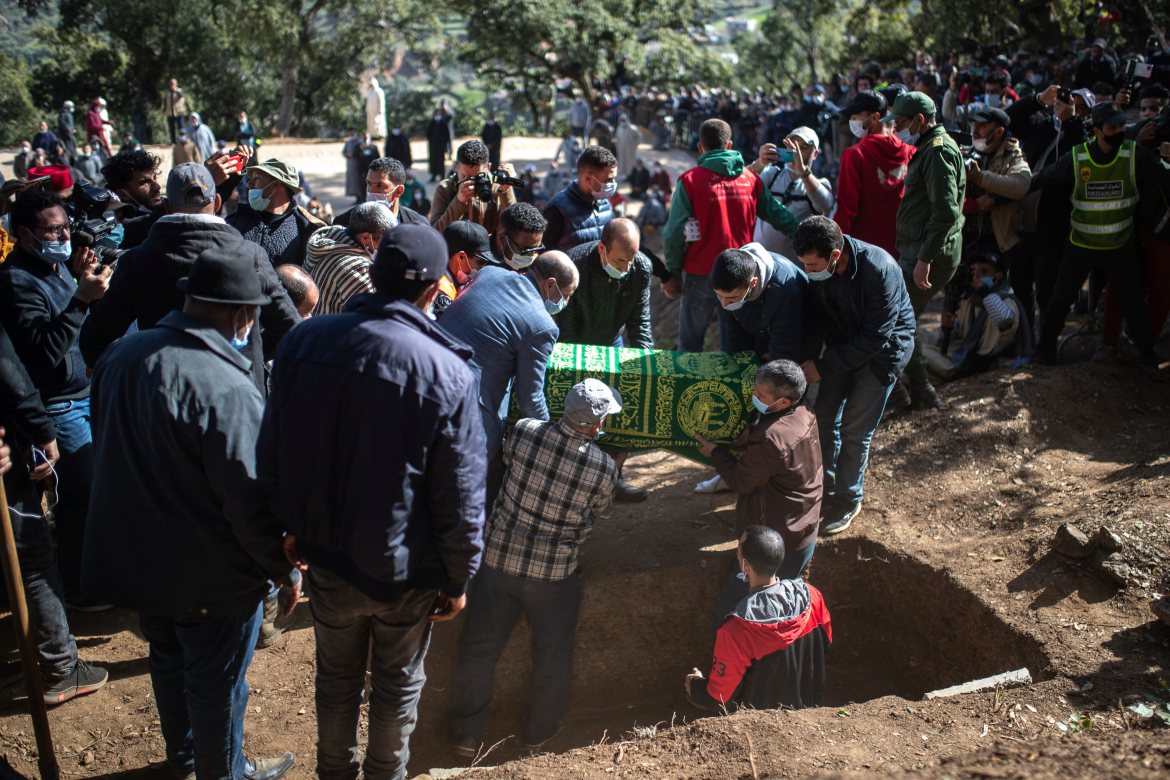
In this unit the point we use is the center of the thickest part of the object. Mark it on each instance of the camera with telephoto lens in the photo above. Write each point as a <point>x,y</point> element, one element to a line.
<point>89,222</point>
<point>485,179</point>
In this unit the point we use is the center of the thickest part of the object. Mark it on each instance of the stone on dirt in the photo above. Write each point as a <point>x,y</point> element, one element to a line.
<point>1071,541</point>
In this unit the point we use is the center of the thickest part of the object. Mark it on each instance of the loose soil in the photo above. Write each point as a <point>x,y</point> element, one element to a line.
<point>944,577</point>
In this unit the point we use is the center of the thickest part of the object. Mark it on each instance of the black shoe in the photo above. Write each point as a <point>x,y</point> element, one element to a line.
<point>78,602</point>
<point>839,521</point>
<point>84,679</point>
<point>924,397</point>
<point>1045,356</point>
<point>268,768</point>
<point>628,493</point>
<point>535,747</point>
<point>465,747</point>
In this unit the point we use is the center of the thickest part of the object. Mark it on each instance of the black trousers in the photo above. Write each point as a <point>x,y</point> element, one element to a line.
<point>1124,271</point>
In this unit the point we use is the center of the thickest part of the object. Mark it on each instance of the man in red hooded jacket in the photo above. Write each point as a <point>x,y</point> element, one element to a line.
<point>770,650</point>
<point>872,178</point>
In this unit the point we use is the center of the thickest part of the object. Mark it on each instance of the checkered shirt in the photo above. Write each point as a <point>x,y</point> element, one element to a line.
<point>557,482</point>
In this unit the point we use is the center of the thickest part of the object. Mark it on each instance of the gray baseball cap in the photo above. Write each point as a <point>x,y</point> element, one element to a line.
<point>589,401</point>
<point>190,185</point>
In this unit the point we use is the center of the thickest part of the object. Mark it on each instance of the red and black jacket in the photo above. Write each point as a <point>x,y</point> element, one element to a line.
<point>770,651</point>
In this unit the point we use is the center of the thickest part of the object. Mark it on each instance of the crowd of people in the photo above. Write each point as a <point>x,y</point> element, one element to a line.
<point>187,372</point>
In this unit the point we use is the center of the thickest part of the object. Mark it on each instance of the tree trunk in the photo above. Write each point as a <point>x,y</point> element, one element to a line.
<point>140,115</point>
<point>288,94</point>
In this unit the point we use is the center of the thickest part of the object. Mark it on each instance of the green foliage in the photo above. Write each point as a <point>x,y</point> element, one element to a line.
<point>18,115</point>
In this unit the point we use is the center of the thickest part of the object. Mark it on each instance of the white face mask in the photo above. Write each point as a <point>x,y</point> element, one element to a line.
<point>980,145</point>
<point>857,127</point>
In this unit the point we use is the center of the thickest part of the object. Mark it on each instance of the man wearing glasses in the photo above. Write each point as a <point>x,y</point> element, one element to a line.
<point>42,309</point>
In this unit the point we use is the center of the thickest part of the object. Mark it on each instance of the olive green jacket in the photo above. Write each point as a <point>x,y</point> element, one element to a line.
<point>931,215</point>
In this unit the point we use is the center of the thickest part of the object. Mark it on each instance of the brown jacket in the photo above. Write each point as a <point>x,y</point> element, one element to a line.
<point>446,208</point>
<point>778,477</point>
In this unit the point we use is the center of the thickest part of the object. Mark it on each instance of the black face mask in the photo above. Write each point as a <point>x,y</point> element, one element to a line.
<point>1114,139</point>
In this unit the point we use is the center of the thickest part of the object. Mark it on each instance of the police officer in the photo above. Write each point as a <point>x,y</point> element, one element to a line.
<point>1107,176</point>
<point>930,219</point>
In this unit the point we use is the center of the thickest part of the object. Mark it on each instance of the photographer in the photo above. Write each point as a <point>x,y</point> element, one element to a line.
<point>1153,127</point>
<point>996,180</point>
<point>456,196</point>
<point>42,309</point>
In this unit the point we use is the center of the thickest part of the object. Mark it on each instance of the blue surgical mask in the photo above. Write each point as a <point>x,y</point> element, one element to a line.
<point>55,252</point>
<point>557,306</point>
<point>238,344</point>
<point>615,273</point>
<point>256,199</point>
<point>824,274</point>
<point>907,137</point>
<point>987,281</point>
<point>379,197</point>
<point>761,407</point>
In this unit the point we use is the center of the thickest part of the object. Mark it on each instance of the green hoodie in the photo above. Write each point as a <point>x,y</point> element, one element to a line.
<point>728,163</point>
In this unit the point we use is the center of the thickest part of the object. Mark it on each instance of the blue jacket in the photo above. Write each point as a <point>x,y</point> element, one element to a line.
<point>865,314</point>
<point>372,452</point>
<point>177,525</point>
<point>575,217</point>
<point>44,321</point>
<point>501,316</point>
<point>773,323</point>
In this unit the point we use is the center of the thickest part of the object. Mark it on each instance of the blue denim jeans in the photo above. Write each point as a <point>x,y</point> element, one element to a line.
<point>849,407</point>
<point>694,315</point>
<point>74,479</point>
<point>198,668</point>
<point>354,631</point>
<point>56,650</point>
<point>494,602</point>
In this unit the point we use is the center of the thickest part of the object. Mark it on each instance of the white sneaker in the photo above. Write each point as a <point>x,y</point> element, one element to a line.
<point>713,485</point>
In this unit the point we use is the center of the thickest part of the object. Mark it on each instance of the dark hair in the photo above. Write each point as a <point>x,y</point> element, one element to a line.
<point>391,167</point>
<point>733,270</point>
<point>596,157</point>
<point>122,166</point>
<point>818,236</point>
<point>763,548</point>
<point>473,152</point>
<point>295,282</point>
<point>784,378</point>
<point>1154,92</point>
<point>714,134</point>
<point>929,79</point>
<point>522,218</point>
<point>26,211</point>
<point>997,77</point>
<point>1102,88</point>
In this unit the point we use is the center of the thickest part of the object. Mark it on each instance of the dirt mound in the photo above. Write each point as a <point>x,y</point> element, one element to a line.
<point>945,576</point>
